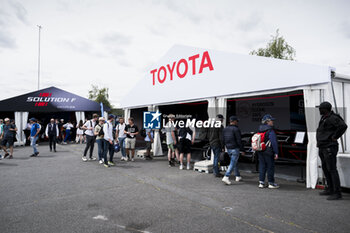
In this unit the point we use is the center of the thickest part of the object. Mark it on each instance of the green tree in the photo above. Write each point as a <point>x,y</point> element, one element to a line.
<point>100,95</point>
<point>277,47</point>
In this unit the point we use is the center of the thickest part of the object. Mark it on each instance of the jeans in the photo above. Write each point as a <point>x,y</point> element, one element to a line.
<point>52,141</point>
<point>217,151</point>
<point>90,143</point>
<point>329,166</point>
<point>100,146</point>
<point>67,135</point>
<point>266,164</point>
<point>234,155</point>
<point>33,144</point>
<point>122,146</point>
<point>108,147</point>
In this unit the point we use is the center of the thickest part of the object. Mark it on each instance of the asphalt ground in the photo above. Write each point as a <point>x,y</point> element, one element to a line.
<point>57,192</point>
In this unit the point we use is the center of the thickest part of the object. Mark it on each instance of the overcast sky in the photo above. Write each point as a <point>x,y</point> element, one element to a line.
<point>114,43</point>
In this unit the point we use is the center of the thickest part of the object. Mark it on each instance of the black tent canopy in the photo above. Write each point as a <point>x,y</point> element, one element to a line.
<point>48,101</point>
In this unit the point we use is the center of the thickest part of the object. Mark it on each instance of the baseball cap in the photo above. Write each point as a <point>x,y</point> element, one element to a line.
<point>110,116</point>
<point>325,105</point>
<point>220,116</point>
<point>234,118</point>
<point>32,119</point>
<point>268,117</point>
<point>7,119</point>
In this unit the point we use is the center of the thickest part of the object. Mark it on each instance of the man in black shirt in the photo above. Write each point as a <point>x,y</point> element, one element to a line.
<point>131,130</point>
<point>215,137</point>
<point>8,135</point>
<point>330,129</point>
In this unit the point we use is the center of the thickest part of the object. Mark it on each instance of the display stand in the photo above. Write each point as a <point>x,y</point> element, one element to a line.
<point>299,139</point>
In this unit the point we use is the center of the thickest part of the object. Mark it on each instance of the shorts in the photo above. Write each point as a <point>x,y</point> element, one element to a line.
<point>184,146</point>
<point>130,143</point>
<point>148,145</point>
<point>10,141</point>
<point>171,146</point>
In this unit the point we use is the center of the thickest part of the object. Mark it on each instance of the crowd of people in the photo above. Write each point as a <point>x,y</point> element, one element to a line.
<point>56,131</point>
<point>107,136</point>
<point>112,136</point>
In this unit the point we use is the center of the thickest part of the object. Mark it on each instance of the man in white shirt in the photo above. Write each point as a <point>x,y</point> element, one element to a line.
<point>68,126</point>
<point>90,137</point>
<point>120,137</point>
<point>109,141</point>
<point>52,133</point>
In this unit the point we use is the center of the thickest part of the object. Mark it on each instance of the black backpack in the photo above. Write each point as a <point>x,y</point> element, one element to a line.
<point>224,159</point>
<point>183,132</point>
<point>100,133</point>
<point>143,132</point>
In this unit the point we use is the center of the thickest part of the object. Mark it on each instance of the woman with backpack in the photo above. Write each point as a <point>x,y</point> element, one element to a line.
<point>98,132</point>
<point>267,153</point>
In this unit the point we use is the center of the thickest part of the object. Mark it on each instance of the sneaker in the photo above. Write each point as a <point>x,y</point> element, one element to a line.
<point>32,155</point>
<point>188,167</point>
<point>132,160</point>
<point>334,197</point>
<point>100,161</point>
<point>238,178</point>
<point>261,185</point>
<point>126,159</point>
<point>7,154</point>
<point>181,167</point>
<point>226,180</point>
<point>122,159</point>
<point>84,158</point>
<point>55,150</point>
<point>111,163</point>
<point>37,153</point>
<point>273,186</point>
<point>11,157</point>
<point>92,158</point>
<point>106,165</point>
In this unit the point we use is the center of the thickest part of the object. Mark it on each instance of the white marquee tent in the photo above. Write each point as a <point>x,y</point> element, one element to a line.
<point>187,74</point>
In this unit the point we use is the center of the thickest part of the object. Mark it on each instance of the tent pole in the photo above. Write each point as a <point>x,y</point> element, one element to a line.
<point>39,27</point>
<point>336,108</point>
